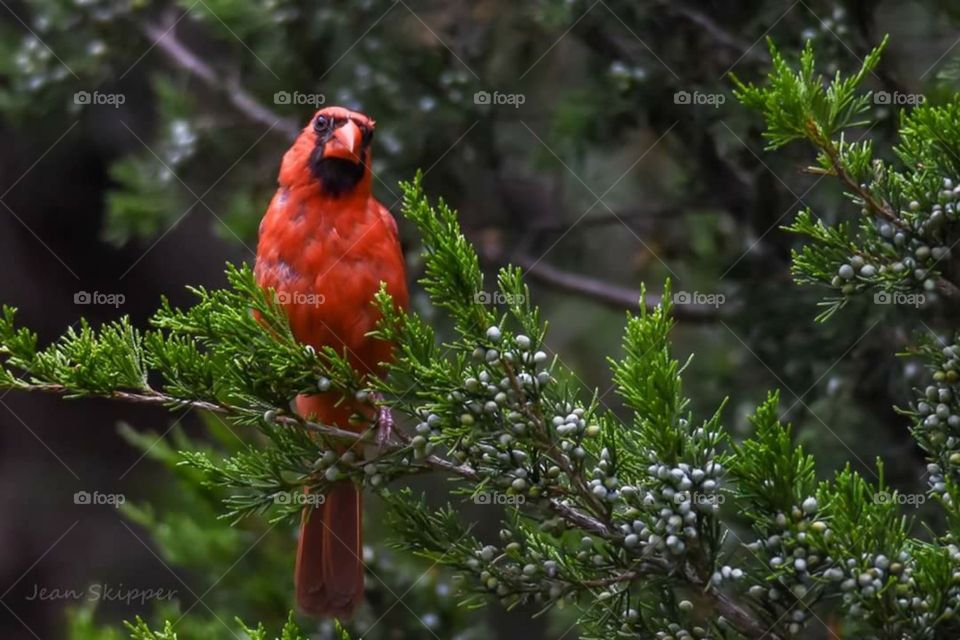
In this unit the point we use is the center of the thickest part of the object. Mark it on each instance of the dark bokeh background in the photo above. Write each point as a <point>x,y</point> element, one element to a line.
<point>603,179</point>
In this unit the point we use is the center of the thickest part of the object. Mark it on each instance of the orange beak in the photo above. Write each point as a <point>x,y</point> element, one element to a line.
<point>344,143</point>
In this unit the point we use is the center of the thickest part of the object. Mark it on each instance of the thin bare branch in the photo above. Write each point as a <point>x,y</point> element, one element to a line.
<point>612,295</point>
<point>166,40</point>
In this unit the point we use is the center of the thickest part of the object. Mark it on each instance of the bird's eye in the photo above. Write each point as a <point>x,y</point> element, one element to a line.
<point>321,124</point>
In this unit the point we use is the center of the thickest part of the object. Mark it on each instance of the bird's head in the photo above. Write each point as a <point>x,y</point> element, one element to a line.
<point>333,150</point>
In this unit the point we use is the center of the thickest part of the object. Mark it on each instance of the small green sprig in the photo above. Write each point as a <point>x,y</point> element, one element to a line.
<point>900,247</point>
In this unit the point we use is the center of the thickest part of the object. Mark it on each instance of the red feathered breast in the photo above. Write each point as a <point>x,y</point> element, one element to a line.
<point>325,258</point>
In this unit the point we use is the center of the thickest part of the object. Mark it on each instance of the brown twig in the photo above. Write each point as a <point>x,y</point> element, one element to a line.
<point>156,398</point>
<point>715,31</point>
<point>166,40</point>
<point>741,618</point>
<point>611,295</point>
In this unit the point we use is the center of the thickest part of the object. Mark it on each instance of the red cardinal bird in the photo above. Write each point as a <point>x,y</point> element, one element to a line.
<point>325,246</point>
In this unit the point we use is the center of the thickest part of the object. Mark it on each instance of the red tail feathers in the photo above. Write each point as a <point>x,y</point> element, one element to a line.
<point>329,573</point>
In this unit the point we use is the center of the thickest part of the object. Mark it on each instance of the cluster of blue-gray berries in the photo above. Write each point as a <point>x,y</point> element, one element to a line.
<point>500,418</point>
<point>667,513</point>
<point>791,553</point>
<point>937,418</point>
<point>905,251</point>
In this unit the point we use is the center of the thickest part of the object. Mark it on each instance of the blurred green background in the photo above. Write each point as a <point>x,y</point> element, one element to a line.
<point>595,143</point>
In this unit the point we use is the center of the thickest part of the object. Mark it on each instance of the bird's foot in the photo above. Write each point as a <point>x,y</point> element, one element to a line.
<point>384,422</point>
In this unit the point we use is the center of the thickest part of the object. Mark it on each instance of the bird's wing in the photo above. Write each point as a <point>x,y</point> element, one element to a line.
<point>388,220</point>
